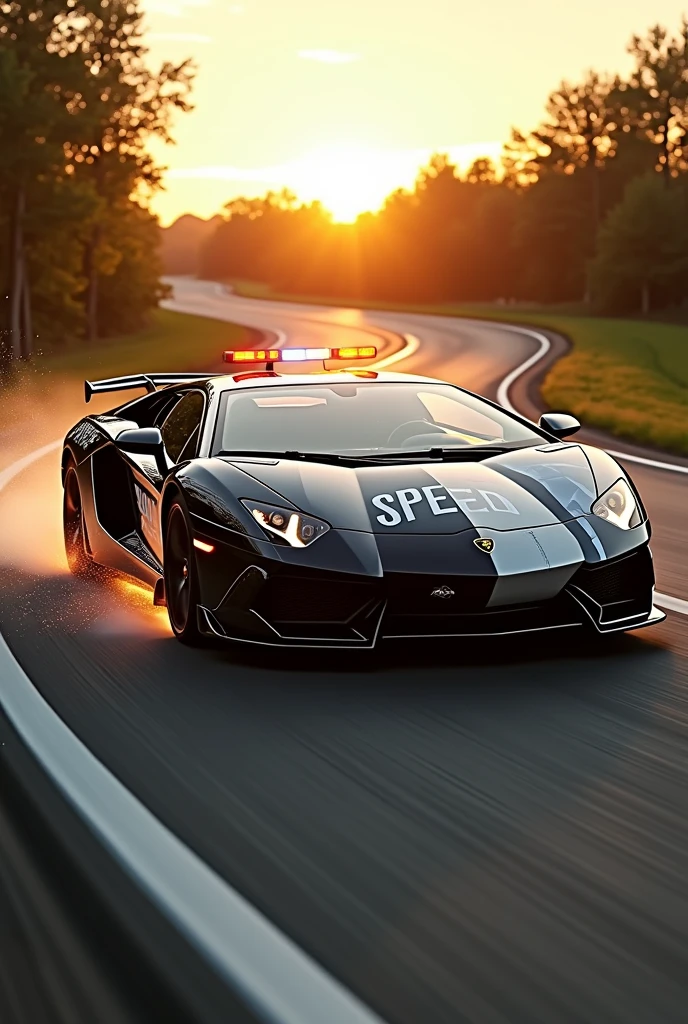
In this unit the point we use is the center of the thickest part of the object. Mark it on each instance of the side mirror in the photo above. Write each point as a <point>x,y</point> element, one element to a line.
<point>559,423</point>
<point>144,441</point>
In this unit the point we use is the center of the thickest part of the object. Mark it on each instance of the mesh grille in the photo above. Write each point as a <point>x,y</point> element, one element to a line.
<point>626,579</point>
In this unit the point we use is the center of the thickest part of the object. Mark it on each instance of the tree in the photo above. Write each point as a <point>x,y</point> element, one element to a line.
<point>552,239</point>
<point>123,105</point>
<point>578,138</point>
<point>33,115</point>
<point>482,172</point>
<point>654,103</point>
<point>132,288</point>
<point>77,107</point>
<point>442,208</point>
<point>492,270</point>
<point>578,134</point>
<point>642,256</point>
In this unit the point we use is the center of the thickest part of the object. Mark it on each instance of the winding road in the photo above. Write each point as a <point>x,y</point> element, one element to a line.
<point>493,834</point>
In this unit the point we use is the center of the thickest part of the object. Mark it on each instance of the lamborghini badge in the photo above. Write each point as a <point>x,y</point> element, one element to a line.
<point>484,543</point>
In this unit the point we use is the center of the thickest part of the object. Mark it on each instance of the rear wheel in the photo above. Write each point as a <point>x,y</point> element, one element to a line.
<point>73,525</point>
<point>181,578</point>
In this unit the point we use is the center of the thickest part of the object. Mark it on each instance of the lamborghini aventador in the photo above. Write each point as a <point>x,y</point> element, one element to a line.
<point>338,509</point>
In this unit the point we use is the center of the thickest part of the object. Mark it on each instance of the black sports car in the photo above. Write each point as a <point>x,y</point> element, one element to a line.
<point>337,509</point>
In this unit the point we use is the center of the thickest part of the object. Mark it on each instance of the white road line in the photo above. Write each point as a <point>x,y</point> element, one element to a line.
<point>544,346</point>
<point>411,345</point>
<point>674,467</point>
<point>280,335</point>
<point>276,978</point>
<point>9,474</point>
<point>674,604</point>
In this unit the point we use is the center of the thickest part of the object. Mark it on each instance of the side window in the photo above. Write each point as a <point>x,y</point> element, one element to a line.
<point>183,425</point>
<point>149,411</point>
<point>164,408</point>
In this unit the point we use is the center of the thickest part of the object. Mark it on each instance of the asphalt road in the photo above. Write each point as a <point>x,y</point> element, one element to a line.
<point>486,833</point>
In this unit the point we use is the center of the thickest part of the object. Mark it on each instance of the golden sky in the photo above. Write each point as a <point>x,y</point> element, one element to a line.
<point>341,100</point>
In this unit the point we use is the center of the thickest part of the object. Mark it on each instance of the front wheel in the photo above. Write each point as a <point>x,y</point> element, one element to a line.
<point>181,578</point>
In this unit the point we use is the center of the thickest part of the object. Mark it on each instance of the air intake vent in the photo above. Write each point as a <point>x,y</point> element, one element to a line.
<point>616,590</point>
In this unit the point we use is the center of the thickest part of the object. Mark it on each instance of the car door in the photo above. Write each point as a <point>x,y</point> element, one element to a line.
<point>180,427</point>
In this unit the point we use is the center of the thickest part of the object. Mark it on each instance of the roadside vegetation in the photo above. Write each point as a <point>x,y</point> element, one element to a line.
<point>628,377</point>
<point>173,341</point>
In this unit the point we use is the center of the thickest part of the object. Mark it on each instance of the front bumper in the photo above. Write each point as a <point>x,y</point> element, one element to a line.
<point>276,604</point>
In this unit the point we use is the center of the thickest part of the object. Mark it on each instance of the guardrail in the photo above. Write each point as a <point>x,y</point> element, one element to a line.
<point>87,943</point>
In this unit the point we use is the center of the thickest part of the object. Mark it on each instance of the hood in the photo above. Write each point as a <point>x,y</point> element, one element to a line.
<point>522,489</point>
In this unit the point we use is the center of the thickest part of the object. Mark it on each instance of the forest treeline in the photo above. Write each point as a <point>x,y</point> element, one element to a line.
<point>589,206</point>
<point>78,107</point>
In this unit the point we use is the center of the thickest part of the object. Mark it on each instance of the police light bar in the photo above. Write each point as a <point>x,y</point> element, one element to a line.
<point>298,355</point>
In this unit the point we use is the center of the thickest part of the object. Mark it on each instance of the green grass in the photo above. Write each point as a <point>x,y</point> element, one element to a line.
<point>629,377</point>
<point>174,341</point>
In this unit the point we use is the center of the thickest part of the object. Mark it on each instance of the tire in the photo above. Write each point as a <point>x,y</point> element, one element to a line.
<point>181,578</point>
<point>73,526</point>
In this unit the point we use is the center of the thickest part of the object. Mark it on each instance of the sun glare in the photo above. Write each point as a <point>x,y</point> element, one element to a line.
<point>350,178</point>
<point>347,179</point>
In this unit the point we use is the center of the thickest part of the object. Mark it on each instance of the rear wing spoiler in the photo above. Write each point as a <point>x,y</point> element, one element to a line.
<point>150,381</point>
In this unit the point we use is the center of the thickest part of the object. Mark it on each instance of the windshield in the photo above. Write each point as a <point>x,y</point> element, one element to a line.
<point>362,418</point>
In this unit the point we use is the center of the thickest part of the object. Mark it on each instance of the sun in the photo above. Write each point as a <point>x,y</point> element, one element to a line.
<point>347,178</point>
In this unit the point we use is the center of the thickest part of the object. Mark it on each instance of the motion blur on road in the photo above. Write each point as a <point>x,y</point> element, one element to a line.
<point>457,832</point>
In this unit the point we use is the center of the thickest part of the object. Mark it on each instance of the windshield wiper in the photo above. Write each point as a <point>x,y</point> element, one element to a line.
<point>443,454</point>
<point>475,452</point>
<point>329,457</point>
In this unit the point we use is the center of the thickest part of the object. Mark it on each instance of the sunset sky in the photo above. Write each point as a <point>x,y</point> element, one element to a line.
<point>341,100</point>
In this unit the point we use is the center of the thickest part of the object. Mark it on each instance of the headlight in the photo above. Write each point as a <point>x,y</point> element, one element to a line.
<point>295,528</point>
<point>618,506</point>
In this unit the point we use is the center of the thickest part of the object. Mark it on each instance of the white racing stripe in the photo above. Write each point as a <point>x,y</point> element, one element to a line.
<point>280,983</point>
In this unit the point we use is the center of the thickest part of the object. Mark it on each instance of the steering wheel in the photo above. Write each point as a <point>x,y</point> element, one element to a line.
<point>410,428</point>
